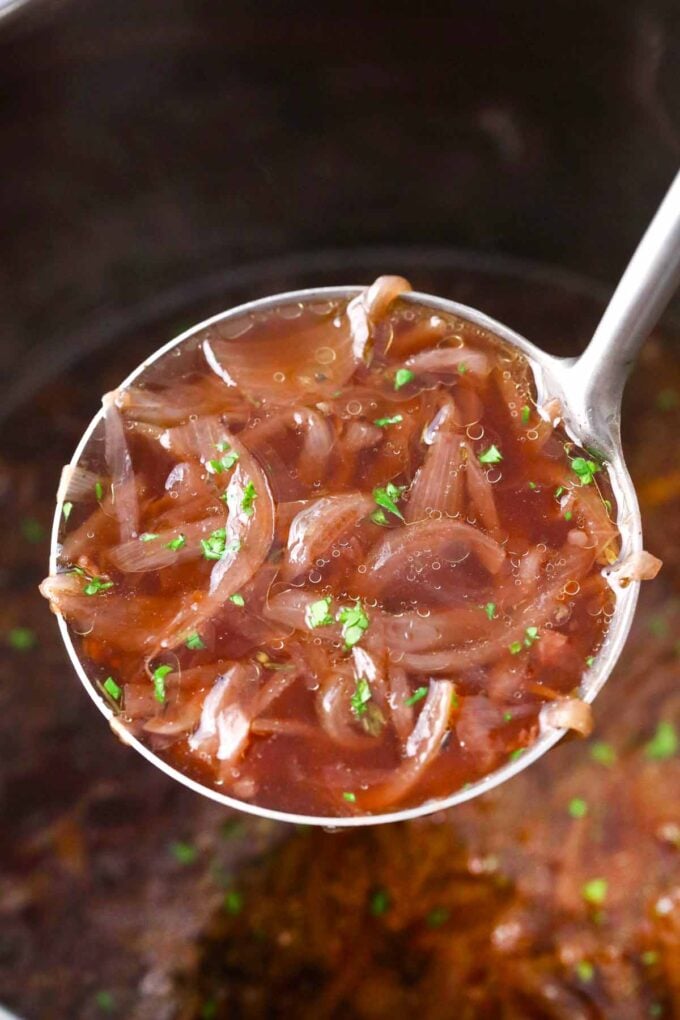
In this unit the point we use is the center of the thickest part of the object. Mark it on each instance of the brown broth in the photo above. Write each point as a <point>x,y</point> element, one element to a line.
<point>449,597</point>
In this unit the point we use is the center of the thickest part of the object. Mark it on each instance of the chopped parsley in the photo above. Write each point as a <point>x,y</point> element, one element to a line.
<point>147,536</point>
<point>490,610</point>
<point>462,367</point>
<point>594,891</point>
<point>578,807</point>
<point>233,902</point>
<point>585,469</point>
<point>491,456</point>
<point>664,743</point>
<point>650,957</point>
<point>194,642</point>
<point>388,496</point>
<point>507,716</point>
<point>384,422</point>
<point>224,463</point>
<point>22,639</point>
<point>603,753</point>
<point>176,543</point>
<point>454,699</point>
<point>361,697</point>
<point>214,545</point>
<point>401,377</point>
<point>559,490</point>
<point>590,659</point>
<point>585,971</point>
<point>99,490</point>
<point>317,614</point>
<point>237,599</point>
<point>96,585</point>
<point>437,917</point>
<point>159,675</point>
<point>380,902</point>
<point>354,623</point>
<point>515,648</point>
<point>568,515</point>
<point>530,635</point>
<point>418,695</point>
<point>32,530</point>
<point>378,517</point>
<point>249,497</point>
<point>112,688</point>
<point>517,753</point>
<point>184,853</point>
<point>349,797</point>
<point>526,413</point>
<point>532,485</point>
<point>66,510</point>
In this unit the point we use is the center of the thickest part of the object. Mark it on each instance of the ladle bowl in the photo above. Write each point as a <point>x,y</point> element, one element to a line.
<point>589,390</point>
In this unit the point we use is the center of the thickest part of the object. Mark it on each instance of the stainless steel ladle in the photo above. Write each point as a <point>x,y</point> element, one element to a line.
<point>589,389</point>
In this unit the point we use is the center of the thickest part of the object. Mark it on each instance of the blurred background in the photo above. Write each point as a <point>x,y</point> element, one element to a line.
<point>162,162</point>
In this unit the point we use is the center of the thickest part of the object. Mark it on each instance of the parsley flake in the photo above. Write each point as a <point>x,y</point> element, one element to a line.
<point>380,902</point>
<point>159,675</point>
<point>418,695</point>
<point>590,659</point>
<point>66,510</point>
<point>99,491</point>
<point>462,367</point>
<point>384,422</point>
<point>317,614</point>
<point>517,753</point>
<point>354,623</point>
<point>147,536</point>
<point>585,971</point>
<point>96,585</point>
<point>664,743</point>
<point>194,642</point>
<point>515,648</point>
<point>578,807</point>
<point>237,599</point>
<point>585,469</point>
<point>176,543</point>
<point>401,377</point>
<point>249,497</point>
<point>603,754</point>
<point>349,797</point>
<point>362,695</point>
<point>388,496</point>
<point>490,610</point>
<point>214,545</point>
<point>594,891</point>
<point>233,902</point>
<point>184,853</point>
<point>568,516</point>
<point>22,639</point>
<point>378,517</point>
<point>112,688</point>
<point>530,635</point>
<point>525,414</point>
<point>224,463</point>
<point>491,456</point>
<point>532,485</point>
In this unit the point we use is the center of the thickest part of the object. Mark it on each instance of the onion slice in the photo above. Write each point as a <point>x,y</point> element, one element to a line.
<point>119,463</point>
<point>320,526</point>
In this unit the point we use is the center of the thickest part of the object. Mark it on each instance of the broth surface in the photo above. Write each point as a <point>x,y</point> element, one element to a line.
<point>333,559</point>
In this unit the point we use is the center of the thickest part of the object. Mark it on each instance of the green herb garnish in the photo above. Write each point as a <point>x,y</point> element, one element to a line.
<point>66,510</point>
<point>237,599</point>
<point>490,610</point>
<point>380,902</point>
<point>214,545</point>
<point>515,648</point>
<point>384,422</point>
<point>147,536</point>
<point>354,623</point>
<point>585,469</point>
<point>491,456</point>
<point>526,413</point>
<point>578,807</point>
<point>349,797</point>
<point>224,463</point>
<point>507,716</point>
<point>418,695</point>
<point>649,957</point>
<point>585,971</point>
<point>362,695</point>
<point>603,753</point>
<point>317,614</point>
<point>590,659</point>
<point>96,585</point>
<point>462,367</point>
<point>183,852</point>
<point>99,491</point>
<point>194,642</point>
<point>558,491</point>
<point>387,497</point>
<point>594,891</point>
<point>568,516</point>
<point>22,639</point>
<point>378,517</point>
<point>401,377</point>
<point>517,753</point>
<point>532,485</point>
<point>249,497</point>
<point>233,902</point>
<point>664,743</point>
<point>530,635</point>
<point>112,688</point>
<point>176,543</point>
<point>159,675</point>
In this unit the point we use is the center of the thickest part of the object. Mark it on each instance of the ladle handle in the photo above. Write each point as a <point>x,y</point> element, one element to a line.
<point>646,287</point>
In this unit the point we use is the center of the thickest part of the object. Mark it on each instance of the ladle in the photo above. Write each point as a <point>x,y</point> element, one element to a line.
<point>590,390</point>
